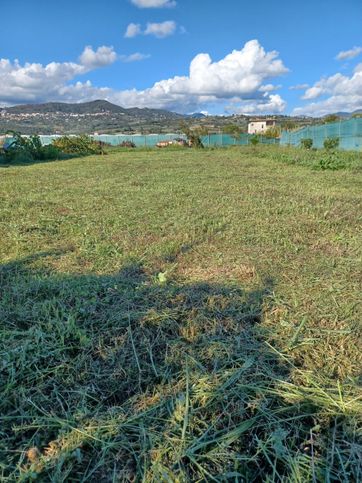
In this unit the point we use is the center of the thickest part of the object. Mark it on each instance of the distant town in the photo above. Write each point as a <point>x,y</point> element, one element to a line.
<point>102,117</point>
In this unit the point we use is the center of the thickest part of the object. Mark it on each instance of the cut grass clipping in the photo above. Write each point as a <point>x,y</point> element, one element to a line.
<point>180,317</point>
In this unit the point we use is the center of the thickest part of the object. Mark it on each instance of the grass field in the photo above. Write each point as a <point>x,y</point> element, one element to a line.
<point>174,316</point>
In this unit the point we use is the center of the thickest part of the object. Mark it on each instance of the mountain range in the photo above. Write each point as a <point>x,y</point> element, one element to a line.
<point>101,116</point>
<point>348,114</point>
<point>93,107</point>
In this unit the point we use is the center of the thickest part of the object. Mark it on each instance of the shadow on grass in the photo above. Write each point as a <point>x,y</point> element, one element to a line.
<point>122,378</point>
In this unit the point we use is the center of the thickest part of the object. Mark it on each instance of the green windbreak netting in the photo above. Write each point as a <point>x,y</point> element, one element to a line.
<point>150,140</point>
<point>139,140</point>
<point>220,139</point>
<point>349,134</point>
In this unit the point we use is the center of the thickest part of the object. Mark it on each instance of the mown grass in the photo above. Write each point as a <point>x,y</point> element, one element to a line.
<point>180,316</point>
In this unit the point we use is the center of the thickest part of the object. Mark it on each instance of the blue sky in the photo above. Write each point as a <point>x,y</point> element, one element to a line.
<point>139,53</point>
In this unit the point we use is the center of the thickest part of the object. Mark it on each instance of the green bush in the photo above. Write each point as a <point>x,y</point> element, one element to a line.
<point>79,145</point>
<point>306,143</point>
<point>127,144</point>
<point>331,143</point>
<point>50,152</point>
<point>254,140</point>
<point>331,161</point>
<point>27,149</point>
<point>273,132</point>
<point>318,159</point>
<point>17,157</point>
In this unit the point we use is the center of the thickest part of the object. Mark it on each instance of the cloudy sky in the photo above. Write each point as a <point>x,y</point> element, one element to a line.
<point>187,56</point>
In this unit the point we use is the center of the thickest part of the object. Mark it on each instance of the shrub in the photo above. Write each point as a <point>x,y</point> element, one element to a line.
<point>17,148</point>
<point>273,132</point>
<point>193,135</point>
<point>195,141</point>
<point>319,159</point>
<point>254,140</point>
<point>331,143</point>
<point>18,156</point>
<point>42,153</point>
<point>306,143</point>
<point>331,161</point>
<point>128,144</point>
<point>50,152</point>
<point>26,149</point>
<point>79,145</point>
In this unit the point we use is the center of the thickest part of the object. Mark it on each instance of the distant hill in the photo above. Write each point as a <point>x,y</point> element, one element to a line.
<point>99,115</point>
<point>93,107</point>
<point>52,107</point>
<point>197,115</point>
<point>348,114</point>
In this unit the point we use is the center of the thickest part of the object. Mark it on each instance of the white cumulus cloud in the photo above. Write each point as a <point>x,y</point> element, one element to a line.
<point>242,79</point>
<point>269,87</point>
<point>154,3</point>
<point>33,82</point>
<point>133,30</point>
<point>161,30</point>
<point>136,57</point>
<point>272,104</point>
<point>349,54</point>
<point>239,76</point>
<point>299,87</point>
<point>93,59</point>
<point>336,93</point>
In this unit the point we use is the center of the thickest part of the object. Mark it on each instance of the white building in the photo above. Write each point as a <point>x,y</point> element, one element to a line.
<point>259,127</point>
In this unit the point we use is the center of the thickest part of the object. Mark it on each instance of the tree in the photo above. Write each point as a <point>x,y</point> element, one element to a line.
<point>193,134</point>
<point>272,132</point>
<point>289,125</point>
<point>331,118</point>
